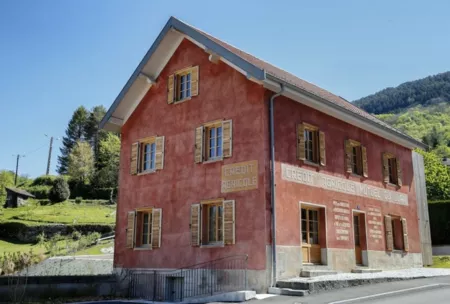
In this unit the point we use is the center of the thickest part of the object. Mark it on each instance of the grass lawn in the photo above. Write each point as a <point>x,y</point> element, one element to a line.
<point>96,249</point>
<point>64,213</point>
<point>8,246</point>
<point>442,261</point>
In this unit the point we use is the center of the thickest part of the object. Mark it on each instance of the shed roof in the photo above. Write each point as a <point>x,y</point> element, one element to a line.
<point>19,191</point>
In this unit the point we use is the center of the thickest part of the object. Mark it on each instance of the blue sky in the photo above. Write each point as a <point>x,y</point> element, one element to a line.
<point>57,55</point>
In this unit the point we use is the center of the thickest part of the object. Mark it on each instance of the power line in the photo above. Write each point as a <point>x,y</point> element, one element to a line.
<point>35,150</point>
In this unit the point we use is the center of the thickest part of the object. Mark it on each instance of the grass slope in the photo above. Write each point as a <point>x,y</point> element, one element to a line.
<point>63,213</point>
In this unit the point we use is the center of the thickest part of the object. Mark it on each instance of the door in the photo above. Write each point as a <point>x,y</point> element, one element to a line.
<point>357,234</point>
<point>310,235</point>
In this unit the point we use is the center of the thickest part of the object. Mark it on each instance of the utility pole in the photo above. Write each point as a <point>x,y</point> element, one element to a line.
<point>49,156</point>
<point>17,168</point>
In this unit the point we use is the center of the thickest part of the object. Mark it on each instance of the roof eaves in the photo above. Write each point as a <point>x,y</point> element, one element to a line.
<point>391,130</point>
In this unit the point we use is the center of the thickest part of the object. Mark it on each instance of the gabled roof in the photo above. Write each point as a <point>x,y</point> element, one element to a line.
<point>255,69</point>
<point>19,191</point>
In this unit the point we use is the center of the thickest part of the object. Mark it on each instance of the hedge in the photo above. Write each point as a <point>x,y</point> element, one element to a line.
<point>439,223</point>
<point>39,191</point>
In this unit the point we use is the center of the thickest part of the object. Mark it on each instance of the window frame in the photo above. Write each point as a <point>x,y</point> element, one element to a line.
<point>399,227</point>
<point>356,158</point>
<point>314,131</point>
<point>206,222</point>
<point>141,155</point>
<point>138,238</point>
<point>308,221</point>
<point>392,170</point>
<point>177,79</point>
<point>207,138</point>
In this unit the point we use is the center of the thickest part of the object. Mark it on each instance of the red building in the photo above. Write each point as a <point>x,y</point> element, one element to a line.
<point>198,120</point>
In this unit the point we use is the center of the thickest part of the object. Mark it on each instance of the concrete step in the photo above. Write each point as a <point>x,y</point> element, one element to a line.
<point>288,291</point>
<point>365,270</point>
<point>310,273</point>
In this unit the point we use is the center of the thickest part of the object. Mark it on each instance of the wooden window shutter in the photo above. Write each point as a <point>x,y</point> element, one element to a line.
<point>134,158</point>
<point>399,172</point>
<point>323,156</point>
<point>156,227</point>
<point>131,218</point>
<point>364,161</point>
<point>405,234</point>
<point>198,154</point>
<point>386,167</point>
<point>159,155</point>
<point>194,81</point>
<point>195,225</point>
<point>301,141</point>
<point>228,222</point>
<point>388,230</point>
<point>227,140</point>
<point>171,89</point>
<point>348,156</point>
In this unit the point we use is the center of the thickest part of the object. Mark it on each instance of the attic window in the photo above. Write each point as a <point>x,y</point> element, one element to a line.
<point>182,85</point>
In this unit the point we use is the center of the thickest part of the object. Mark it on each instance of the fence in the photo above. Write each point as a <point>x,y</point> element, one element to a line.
<point>209,278</point>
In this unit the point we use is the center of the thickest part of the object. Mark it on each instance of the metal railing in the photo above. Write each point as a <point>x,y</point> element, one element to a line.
<point>213,277</point>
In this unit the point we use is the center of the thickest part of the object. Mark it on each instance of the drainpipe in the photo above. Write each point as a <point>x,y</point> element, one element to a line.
<point>272,185</point>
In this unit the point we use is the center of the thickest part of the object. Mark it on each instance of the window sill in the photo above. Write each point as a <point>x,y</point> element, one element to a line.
<point>182,100</point>
<point>142,248</point>
<point>146,172</point>
<point>215,160</point>
<point>393,185</point>
<point>310,163</point>
<point>213,245</point>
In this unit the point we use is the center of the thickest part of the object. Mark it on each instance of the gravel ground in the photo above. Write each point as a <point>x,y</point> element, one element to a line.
<point>401,274</point>
<point>72,265</point>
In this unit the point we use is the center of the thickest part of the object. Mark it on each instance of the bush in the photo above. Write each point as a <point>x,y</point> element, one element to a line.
<point>44,180</point>
<point>78,200</point>
<point>60,191</point>
<point>16,261</point>
<point>40,191</point>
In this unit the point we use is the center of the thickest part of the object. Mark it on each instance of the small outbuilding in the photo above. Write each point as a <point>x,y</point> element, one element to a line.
<point>16,197</point>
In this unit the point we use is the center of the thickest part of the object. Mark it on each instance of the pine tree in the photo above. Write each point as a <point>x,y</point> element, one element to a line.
<point>91,132</point>
<point>75,131</point>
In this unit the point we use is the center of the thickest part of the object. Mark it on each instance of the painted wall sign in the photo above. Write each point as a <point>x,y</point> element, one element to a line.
<point>332,183</point>
<point>341,211</point>
<point>240,176</point>
<point>374,221</point>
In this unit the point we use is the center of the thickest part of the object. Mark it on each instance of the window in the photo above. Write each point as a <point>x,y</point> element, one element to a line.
<point>213,141</point>
<point>396,229</point>
<point>310,226</point>
<point>356,158</point>
<point>144,228</point>
<point>182,85</point>
<point>392,172</point>
<point>311,144</point>
<point>212,223</point>
<point>147,155</point>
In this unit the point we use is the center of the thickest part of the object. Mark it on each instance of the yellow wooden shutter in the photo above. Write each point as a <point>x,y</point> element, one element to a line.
<point>171,89</point>
<point>134,158</point>
<point>227,138</point>
<point>198,153</point>
<point>348,156</point>
<point>301,141</point>
<point>386,167</point>
<point>405,234</point>
<point>364,161</point>
<point>388,230</point>
<point>399,172</point>
<point>228,222</point>
<point>194,81</point>
<point>195,225</point>
<point>159,155</point>
<point>323,157</point>
<point>131,217</point>
<point>156,227</point>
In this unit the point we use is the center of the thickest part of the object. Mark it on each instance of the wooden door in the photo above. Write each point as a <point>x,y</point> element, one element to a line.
<point>357,234</point>
<point>310,235</point>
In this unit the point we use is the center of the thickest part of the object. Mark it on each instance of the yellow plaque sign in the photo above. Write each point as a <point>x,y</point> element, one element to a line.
<point>240,176</point>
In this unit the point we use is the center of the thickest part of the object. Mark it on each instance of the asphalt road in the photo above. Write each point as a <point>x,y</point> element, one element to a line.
<point>431,290</point>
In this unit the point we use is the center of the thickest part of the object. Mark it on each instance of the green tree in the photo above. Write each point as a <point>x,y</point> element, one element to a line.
<point>437,176</point>
<point>6,180</point>
<point>108,162</point>
<point>75,131</point>
<point>60,191</point>
<point>91,132</point>
<point>81,163</point>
